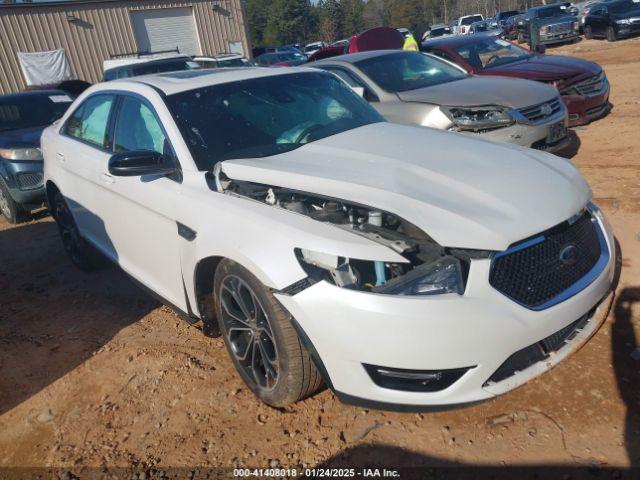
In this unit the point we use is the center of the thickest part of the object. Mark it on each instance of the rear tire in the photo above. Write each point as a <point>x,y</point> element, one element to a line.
<point>12,211</point>
<point>588,34</point>
<point>611,34</point>
<point>260,338</point>
<point>83,255</point>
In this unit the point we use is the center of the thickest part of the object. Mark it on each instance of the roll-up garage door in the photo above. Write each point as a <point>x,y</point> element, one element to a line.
<point>166,29</point>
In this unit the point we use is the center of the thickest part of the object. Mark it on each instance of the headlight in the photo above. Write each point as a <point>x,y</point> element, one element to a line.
<point>624,21</point>
<point>21,153</point>
<point>575,25</point>
<point>544,30</point>
<point>442,276</point>
<point>478,118</point>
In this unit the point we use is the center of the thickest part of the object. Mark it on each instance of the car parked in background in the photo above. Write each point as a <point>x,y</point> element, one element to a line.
<point>438,30</point>
<point>223,60</point>
<point>466,21</point>
<point>583,85</point>
<point>484,26</point>
<point>312,48</point>
<point>501,17</point>
<point>23,117</point>
<point>415,88</point>
<point>582,8</point>
<point>555,22</point>
<point>612,20</point>
<point>146,66</point>
<point>281,59</point>
<point>404,266</point>
<point>513,26</point>
<point>379,38</point>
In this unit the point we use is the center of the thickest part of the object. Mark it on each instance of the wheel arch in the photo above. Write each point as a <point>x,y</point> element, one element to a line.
<point>51,191</point>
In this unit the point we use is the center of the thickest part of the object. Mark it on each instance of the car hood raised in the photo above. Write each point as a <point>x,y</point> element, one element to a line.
<point>547,68</point>
<point>24,138</point>
<point>463,192</point>
<point>477,91</point>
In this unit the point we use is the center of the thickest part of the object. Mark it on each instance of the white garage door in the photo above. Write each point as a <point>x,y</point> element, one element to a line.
<point>166,29</point>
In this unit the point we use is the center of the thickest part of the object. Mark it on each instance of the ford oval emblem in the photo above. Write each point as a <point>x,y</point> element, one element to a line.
<point>569,254</point>
<point>546,110</point>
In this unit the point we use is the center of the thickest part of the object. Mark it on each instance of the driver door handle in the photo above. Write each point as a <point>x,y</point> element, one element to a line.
<point>60,157</point>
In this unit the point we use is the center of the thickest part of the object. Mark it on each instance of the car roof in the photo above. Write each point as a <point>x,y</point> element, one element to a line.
<point>457,40</point>
<point>542,7</point>
<point>32,93</point>
<point>158,61</point>
<point>356,57</point>
<point>176,82</point>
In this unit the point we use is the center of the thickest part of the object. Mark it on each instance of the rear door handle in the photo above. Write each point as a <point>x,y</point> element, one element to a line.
<point>60,157</point>
<point>107,178</point>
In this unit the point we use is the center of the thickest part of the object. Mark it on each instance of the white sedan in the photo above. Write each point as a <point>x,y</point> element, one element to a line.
<point>401,266</point>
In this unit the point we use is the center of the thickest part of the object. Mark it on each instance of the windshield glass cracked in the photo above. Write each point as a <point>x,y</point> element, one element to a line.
<point>266,116</point>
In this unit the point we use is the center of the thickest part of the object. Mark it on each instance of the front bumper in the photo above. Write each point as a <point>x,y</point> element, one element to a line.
<point>480,329</point>
<point>24,180</point>
<point>554,38</point>
<point>586,108</point>
<point>533,135</point>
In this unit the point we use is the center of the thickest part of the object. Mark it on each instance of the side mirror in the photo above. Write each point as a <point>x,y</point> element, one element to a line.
<point>359,91</point>
<point>541,48</point>
<point>139,163</point>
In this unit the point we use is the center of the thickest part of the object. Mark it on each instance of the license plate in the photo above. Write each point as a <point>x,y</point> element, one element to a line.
<point>557,132</point>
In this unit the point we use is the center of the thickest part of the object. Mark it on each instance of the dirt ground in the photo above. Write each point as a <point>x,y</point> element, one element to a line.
<point>93,372</point>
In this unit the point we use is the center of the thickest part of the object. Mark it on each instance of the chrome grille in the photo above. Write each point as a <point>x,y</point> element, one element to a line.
<point>542,111</point>
<point>591,85</point>
<point>560,28</point>
<point>28,181</point>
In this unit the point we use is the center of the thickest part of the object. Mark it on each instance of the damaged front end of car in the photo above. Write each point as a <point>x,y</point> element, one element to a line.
<point>429,269</point>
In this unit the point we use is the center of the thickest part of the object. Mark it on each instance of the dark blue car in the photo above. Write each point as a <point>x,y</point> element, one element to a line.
<point>23,117</point>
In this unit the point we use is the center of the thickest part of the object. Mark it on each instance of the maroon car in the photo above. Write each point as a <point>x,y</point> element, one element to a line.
<point>379,38</point>
<point>583,85</point>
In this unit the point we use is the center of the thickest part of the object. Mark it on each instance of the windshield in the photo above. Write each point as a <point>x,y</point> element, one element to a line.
<point>403,71</point>
<point>505,15</point>
<point>266,116</point>
<point>553,11</point>
<point>471,19</point>
<point>26,111</point>
<point>491,52</point>
<point>623,7</point>
<point>175,66</point>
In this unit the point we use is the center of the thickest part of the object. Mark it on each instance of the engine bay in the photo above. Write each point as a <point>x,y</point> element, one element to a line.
<point>377,225</point>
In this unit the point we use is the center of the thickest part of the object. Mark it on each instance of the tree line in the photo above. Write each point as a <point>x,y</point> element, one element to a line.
<point>282,22</point>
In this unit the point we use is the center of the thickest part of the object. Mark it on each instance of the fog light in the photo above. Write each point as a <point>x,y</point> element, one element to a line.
<point>414,380</point>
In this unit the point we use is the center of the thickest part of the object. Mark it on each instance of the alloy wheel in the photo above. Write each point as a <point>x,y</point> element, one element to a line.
<point>68,231</point>
<point>248,332</point>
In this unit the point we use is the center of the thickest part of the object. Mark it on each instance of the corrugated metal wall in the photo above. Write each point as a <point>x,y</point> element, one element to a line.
<point>103,28</point>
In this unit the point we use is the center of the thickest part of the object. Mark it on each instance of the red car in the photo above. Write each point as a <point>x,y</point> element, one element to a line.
<point>380,38</point>
<point>583,85</point>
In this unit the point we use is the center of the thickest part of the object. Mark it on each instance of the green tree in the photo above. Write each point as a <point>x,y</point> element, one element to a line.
<point>288,21</point>
<point>257,20</point>
<point>352,16</point>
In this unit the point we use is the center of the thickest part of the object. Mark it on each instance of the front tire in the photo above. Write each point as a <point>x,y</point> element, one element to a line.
<point>11,210</point>
<point>260,338</point>
<point>520,38</point>
<point>83,255</point>
<point>611,34</point>
<point>588,34</point>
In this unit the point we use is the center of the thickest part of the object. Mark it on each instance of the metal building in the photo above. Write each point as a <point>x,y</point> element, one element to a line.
<point>91,31</point>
